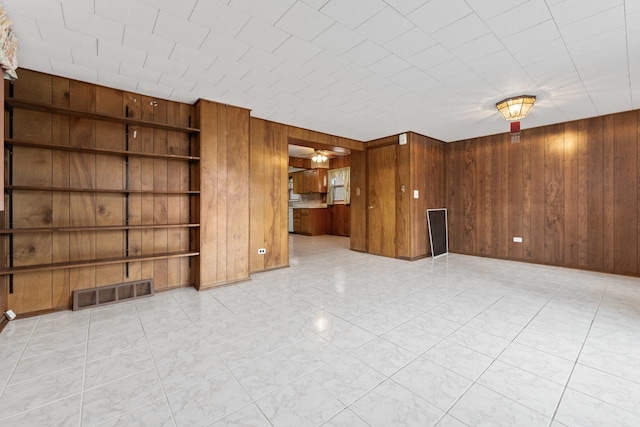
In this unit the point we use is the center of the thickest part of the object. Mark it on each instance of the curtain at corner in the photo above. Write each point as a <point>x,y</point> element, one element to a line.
<point>345,175</point>
<point>331,176</point>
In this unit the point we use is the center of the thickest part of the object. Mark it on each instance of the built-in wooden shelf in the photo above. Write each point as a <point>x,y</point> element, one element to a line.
<point>94,262</point>
<point>121,153</point>
<point>95,190</point>
<point>94,228</point>
<point>46,108</point>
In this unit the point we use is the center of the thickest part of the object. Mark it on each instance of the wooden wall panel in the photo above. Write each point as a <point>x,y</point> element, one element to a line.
<point>52,289</point>
<point>402,200</point>
<point>572,193</point>
<point>358,240</point>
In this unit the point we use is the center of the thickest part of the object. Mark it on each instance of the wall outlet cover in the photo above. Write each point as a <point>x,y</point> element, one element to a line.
<point>517,239</point>
<point>416,194</point>
<point>10,315</point>
<point>262,251</point>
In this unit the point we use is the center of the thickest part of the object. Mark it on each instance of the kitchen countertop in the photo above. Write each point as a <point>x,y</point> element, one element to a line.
<point>308,206</point>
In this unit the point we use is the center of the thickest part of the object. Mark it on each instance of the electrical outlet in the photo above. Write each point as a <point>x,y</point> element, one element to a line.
<point>517,239</point>
<point>262,251</point>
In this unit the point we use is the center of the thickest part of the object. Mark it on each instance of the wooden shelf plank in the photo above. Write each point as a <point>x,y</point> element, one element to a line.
<point>95,190</point>
<point>94,228</point>
<point>122,153</point>
<point>94,262</point>
<point>46,108</point>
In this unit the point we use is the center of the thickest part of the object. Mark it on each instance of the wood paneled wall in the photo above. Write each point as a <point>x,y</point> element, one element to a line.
<point>224,194</point>
<point>569,190</point>
<point>358,207</point>
<point>268,193</point>
<point>35,291</point>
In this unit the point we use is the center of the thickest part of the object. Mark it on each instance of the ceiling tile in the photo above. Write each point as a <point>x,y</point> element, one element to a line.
<point>182,9</point>
<point>117,81</point>
<point>525,15</point>
<point>570,11</point>
<point>431,57</point>
<point>327,62</point>
<point>632,6</point>
<point>460,32</point>
<point>543,52</point>
<point>219,17</point>
<point>35,62</point>
<point>192,57</point>
<point>304,21</point>
<point>406,6</point>
<point>258,58</point>
<point>139,73</point>
<point>594,25</point>
<point>297,50</point>
<point>532,37</point>
<point>352,13</point>
<point>173,28</point>
<point>410,43</point>
<point>260,77</point>
<point>176,82</point>
<point>93,25</point>
<point>316,4</point>
<point>385,26</point>
<point>267,11</point>
<point>415,79</point>
<point>85,74</point>
<point>164,65</point>
<point>478,48</point>
<point>140,40</point>
<point>155,90</point>
<point>259,34</point>
<point>84,5</point>
<point>90,60</point>
<point>487,9</point>
<point>228,68</point>
<point>373,83</point>
<point>217,44</point>
<point>437,14</point>
<point>338,39</point>
<point>128,12</point>
<point>492,61</point>
<point>41,10</point>
<point>319,79</point>
<point>119,53</point>
<point>292,70</point>
<point>461,80</point>
<point>389,66</point>
<point>366,53</point>
<point>450,68</point>
<point>72,39</point>
<point>352,73</point>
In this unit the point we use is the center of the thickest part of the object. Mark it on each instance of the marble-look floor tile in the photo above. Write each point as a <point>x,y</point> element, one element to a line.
<point>108,369</point>
<point>299,404</point>
<point>155,414</point>
<point>244,349</point>
<point>62,413</point>
<point>434,324</point>
<point>39,391</point>
<point>549,344</point>
<point>449,421</point>
<point>376,323</point>
<point>249,416</point>
<point>411,338</point>
<point>532,391</point>
<point>606,387</point>
<point>266,374</point>
<point>347,378</point>
<point>579,410</point>
<point>346,336</point>
<point>345,418</point>
<point>311,353</point>
<point>432,382</point>
<point>481,406</point>
<point>60,341</point>
<point>482,342</point>
<point>610,362</point>
<point>208,401</point>
<point>390,404</point>
<point>115,344</point>
<point>383,356</point>
<point>347,310</point>
<point>116,398</point>
<point>537,362</point>
<point>462,360</point>
<point>47,363</point>
<point>191,369</point>
<point>493,326</point>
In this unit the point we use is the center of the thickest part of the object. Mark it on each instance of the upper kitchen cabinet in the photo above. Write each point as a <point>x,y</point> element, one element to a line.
<point>310,181</point>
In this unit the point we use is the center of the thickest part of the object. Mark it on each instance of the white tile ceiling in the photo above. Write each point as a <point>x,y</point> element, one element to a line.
<point>361,69</point>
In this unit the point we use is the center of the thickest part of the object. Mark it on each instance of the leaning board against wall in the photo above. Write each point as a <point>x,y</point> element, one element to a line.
<point>98,190</point>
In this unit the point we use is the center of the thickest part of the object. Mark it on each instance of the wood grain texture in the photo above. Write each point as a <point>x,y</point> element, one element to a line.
<point>381,218</point>
<point>72,221</point>
<point>572,193</point>
<point>358,208</point>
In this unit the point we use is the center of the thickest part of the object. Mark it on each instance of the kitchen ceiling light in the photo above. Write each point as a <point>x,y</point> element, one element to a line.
<point>516,108</point>
<point>319,157</point>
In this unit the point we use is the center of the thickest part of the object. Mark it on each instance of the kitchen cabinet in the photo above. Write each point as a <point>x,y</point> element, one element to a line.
<point>310,181</point>
<point>311,222</point>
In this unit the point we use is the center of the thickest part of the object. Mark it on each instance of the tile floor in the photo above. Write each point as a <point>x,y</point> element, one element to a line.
<point>341,339</point>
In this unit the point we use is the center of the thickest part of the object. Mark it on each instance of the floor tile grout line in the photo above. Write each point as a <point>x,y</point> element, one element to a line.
<point>84,372</point>
<point>157,371</point>
<point>555,412</point>
<point>26,345</point>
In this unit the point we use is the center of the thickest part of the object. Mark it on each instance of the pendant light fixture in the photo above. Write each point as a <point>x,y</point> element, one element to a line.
<point>515,109</point>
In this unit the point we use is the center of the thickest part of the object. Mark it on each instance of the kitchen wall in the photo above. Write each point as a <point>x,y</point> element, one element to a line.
<point>569,190</point>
